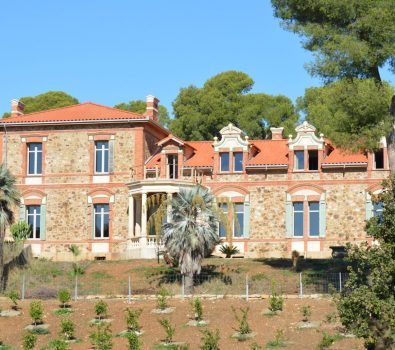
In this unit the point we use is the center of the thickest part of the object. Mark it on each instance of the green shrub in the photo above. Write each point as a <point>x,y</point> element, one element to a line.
<point>228,250</point>
<point>169,329</point>
<point>101,337</point>
<point>134,342</point>
<point>197,309</point>
<point>58,344</point>
<point>64,297</point>
<point>306,313</point>
<point>14,297</point>
<point>243,328</point>
<point>29,342</point>
<point>210,340</point>
<point>132,319</point>
<point>327,340</point>
<point>20,231</point>
<point>278,341</point>
<point>276,301</point>
<point>161,298</point>
<point>255,346</point>
<point>101,308</point>
<point>67,329</point>
<point>36,311</point>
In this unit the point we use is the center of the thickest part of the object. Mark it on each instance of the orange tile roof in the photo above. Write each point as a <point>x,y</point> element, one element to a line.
<point>82,112</point>
<point>339,156</point>
<point>153,161</point>
<point>271,152</point>
<point>203,156</point>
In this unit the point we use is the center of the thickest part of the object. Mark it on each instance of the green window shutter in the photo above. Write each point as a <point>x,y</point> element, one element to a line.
<point>322,217</point>
<point>368,207</point>
<point>246,225</point>
<point>288,219</point>
<point>111,156</point>
<point>22,213</point>
<point>42,222</point>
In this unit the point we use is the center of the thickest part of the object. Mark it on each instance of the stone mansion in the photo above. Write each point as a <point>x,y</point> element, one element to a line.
<point>85,173</point>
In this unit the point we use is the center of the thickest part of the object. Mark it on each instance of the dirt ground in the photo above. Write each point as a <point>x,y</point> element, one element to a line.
<point>218,312</point>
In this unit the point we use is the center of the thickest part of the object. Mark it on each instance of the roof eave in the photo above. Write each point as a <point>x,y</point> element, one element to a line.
<point>344,165</point>
<point>267,166</point>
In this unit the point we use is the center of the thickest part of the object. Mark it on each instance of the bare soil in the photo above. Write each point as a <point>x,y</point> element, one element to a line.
<point>218,312</point>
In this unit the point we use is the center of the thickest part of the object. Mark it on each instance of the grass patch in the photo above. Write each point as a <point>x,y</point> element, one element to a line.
<point>5,347</point>
<point>99,275</point>
<point>171,347</point>
<point>63,312</point>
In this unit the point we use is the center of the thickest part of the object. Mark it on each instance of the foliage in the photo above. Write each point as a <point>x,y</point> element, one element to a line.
<point>77,270</point>
<point>244,328</point>
<point>20,231</point>
<point>327,340</point>
<point>351,38</point>
<point>36,311</point>
<point>64,297</point>
<point>278,341</point>
<point>101,336</point>
<point>367,305</point>
<point>9,199</point>
<point>255,346</point>
<point>134,342</point>
<point>306,313</point>
<point>132,319</point>
<point>47,100</point>
<point>161,298</point>
<point>58,344</point>
<point>29,341</point>
<point>169,329</point>
<point>67,328</point>
<point>276,301</point>
<point>352,113</point>
<point>229,250</point>
<point>197,309</point>
<point>192,233</point>
<point>295,256</point>
<point>75,250</point>
<point>101,308</point>
<point>39,330</point>
<point>226,98</point>
<point>14,297</point>
<point>139,106</point>
<point>331,317</point>
<point>210,340</point>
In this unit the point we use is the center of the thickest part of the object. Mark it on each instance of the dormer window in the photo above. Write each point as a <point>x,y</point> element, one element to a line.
<point>224,159</point>
<point>313,159</point>
<point>299,160</point>
<point>172,166</point>
<point>237,161</point>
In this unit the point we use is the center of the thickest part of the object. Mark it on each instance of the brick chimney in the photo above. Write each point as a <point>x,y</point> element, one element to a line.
<point>152,108</point>
<point>17,108</point>
<point>277,133</point>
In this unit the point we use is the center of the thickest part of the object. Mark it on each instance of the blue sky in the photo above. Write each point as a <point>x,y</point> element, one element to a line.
<point>115,51</point>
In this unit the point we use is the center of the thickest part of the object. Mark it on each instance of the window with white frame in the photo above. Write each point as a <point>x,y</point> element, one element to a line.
<point>222,226</point>
<point>224,161</point>
<point>235,215</point>
<point>378,209</point>
<point>102,220</point>
<point>299,160</point>
<point>33,216</point>
<point>298,219</point>
<point>101,157</point>
<point>172,166</point>
<point>314,219</point>
<point>34,158</point>
<point>237,161</point>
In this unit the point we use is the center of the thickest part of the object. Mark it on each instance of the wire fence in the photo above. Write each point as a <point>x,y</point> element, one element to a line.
<point>205,284</point>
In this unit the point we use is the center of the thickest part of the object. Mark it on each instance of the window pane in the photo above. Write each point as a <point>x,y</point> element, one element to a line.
<point>238,232</point>
<point>33,219</point>
<point>222,229</point>
<point>37,230</point>
<point>105,161</point>
<point>314,206</point>
<point>31,163</point>
<point>224,161</point>
<point>378,209</point>
<point>298,206</point>
<point>99,162</point>
<point>97,225</point>
<point>313,160</point>
<point>106,228</point>
<point>238,161</point>
<point>298,219</point>
<point>299,160</point>
<point>102,156</point>
<point>39,162</point>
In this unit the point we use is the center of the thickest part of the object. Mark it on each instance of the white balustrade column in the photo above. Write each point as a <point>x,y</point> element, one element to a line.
<point>143,239</point>
<point>169,207</point>
<point>131,217</point>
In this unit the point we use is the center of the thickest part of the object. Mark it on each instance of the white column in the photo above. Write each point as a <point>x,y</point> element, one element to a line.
<point>143,239</point>
<point>131,217</point>
<point>169,198</point>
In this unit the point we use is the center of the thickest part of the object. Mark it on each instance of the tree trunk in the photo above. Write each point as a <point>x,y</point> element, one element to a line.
<point>188,280</point>
<point>391,137</point>
<point>1,262</point>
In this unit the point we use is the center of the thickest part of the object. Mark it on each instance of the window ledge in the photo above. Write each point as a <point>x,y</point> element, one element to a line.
<point>33,180</point>
<point>100,179</point>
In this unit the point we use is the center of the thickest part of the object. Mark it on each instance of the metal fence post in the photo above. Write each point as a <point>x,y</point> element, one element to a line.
<point>23,287</point>
<point>247,291</point>
<point>183,286</point>
<point>300,285</point>
<point>340,282</point>
<point>76,287</point>
<point>129,291</point>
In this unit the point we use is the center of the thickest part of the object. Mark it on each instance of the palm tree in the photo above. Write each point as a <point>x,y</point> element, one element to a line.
<point>192,233</point>
<point>9,198</point>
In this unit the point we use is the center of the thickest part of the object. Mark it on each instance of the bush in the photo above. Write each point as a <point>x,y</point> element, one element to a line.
<point>29,342</point>
<point>101,308</point>
<point>295,260</point>
<point>210,340</point>
<point>134,342</point>
<point>255,346</point>
<point>327,340</point>
<point>58,344</point>
<point>244,328</point>
<point>197,309</point>
<point>306,313</point>
<point>101,337</point>
<point>228,250</point>
<point>161,298</point>
<point>14,297</point>
<point>169,329</point>
<point>36,311</point>
<point>276,301</point>
<point>64,297</point>
<point>67,329</point>
<point>278,341</point>
<point>20,231</point>
<point>132,319</point>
